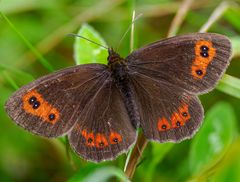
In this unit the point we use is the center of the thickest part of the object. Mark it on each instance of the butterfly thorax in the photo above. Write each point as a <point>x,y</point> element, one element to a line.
<point>113,57</point>
<point>117,66</point>
<point>120,75</point>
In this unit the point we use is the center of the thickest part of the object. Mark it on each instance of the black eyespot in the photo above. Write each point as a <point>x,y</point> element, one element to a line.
<point>90,140</point>
<point>36,105</point>
<point>51,117</point>
<point>32,100</point>
<point>204,48</point>
<point>184,114</point>
<point>204,54</point>
<point>199,72</point>
<point>164,126</point>
<point>115,140</point>
<point>101,144</point>
<point>178,123</point>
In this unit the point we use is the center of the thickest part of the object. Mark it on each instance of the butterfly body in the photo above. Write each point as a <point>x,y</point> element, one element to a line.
<point>121,77</point>
<point>100,106</point>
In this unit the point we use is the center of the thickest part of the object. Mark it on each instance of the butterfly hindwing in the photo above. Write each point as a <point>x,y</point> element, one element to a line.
<point>103,130</point>
<point>194,62</point>
<point>167,112</point>
<point>51,105</point>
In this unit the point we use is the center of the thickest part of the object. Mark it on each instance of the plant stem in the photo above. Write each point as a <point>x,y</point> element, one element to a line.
<point>136,155</point>
<point>217,13</point>
<point>10,80</point>
<point>132,33</point>
<point>179,17</point>
<point>35,51</point>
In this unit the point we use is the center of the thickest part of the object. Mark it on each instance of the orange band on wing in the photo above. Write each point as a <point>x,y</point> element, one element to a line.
<point>99,140</point>
<point>34,104</point>
<point>178,119</point>
<point>204,54</point>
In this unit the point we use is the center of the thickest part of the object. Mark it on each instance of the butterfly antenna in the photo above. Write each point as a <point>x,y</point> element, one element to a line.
<point>76,35</point>
<point>124,35</point>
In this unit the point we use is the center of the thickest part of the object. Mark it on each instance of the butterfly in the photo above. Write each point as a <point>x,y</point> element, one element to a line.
<point>101,106</point>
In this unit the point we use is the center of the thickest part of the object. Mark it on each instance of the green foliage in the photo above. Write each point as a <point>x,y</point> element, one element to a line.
<point>36,29</point>
<point>213,139</point>
<point>157,155</point>
<point>101,175</point>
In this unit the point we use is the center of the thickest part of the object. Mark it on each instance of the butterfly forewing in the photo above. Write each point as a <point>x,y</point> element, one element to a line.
<point>51,105</point>
<point>194,62</point>
<point>103,130</point>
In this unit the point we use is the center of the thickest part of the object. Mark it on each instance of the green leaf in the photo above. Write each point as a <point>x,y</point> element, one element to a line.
<point>230,165</point>
<point>213,139</point>
<point>229,172</point>
<point>88,52</point>
<point>230,85</point>
<point>101,175</point>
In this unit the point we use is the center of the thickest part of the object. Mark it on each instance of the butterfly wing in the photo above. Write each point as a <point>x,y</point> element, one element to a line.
<point>194,62</point>
<point>103,131</point>
<point>167,112</point>
<point>51,105</point>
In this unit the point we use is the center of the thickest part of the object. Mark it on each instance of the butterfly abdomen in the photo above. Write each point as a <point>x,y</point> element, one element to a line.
<point>130,104</point>
<point>121,79</point>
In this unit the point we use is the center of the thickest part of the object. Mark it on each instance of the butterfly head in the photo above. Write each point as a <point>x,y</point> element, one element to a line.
<point>113,56</point>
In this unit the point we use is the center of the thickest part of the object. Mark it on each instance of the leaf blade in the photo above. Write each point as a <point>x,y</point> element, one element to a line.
<point>230,85</point>
<point>213,139</point>
<point>87,52</point>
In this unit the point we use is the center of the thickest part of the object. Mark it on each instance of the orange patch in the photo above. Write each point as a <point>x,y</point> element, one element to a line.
<point>177,120</point>
<point>84,133</point>
<point>115,138</point>
<point>89,137</point>
<point>184,112</point>
<point>90,140</point>
<point>200,63</point>
<point>101,141</point>
<point>163,124</point>
<point>45,111</point>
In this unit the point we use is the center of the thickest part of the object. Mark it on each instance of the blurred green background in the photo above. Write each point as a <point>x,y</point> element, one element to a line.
<point>213,153</point>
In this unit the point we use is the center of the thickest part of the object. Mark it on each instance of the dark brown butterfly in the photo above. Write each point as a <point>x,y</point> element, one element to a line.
<point>100,106</point>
